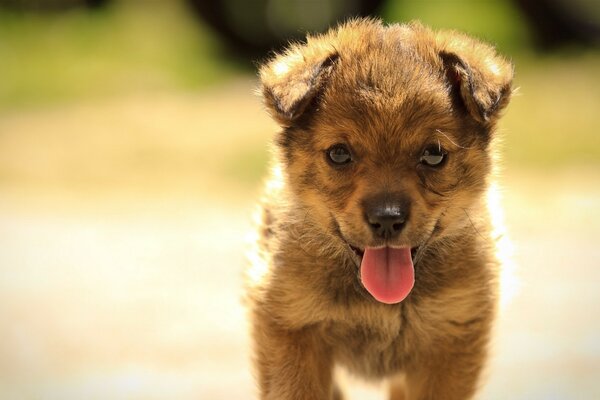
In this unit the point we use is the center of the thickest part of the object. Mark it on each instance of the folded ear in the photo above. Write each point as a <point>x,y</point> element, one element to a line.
<point>478,74</point>
<point>292,80</point>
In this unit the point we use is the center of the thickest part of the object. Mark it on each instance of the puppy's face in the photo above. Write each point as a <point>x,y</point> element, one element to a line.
<point>390,175</point>
<point>387,138</point>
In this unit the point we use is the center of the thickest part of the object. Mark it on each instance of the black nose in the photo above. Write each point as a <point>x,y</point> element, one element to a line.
<point>387,219</point>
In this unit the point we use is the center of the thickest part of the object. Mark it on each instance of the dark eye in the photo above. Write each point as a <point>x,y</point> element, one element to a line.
<point>433,156</point>
<point>339,154</point>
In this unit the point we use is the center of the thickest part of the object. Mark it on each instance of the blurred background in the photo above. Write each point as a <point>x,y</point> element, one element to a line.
<point>132,151</point>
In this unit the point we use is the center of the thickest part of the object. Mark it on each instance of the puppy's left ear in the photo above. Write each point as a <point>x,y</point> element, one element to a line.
<point>478,74</point>
<point>292,80</point>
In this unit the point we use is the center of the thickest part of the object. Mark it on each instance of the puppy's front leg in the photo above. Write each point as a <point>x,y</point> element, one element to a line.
<point>451,375</point>
<point>292,365</point>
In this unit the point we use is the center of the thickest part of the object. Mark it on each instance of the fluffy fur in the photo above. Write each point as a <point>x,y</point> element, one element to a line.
<point>387,92</point>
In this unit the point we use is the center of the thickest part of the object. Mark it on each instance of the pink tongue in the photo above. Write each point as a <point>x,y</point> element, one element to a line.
<point>388,273</point>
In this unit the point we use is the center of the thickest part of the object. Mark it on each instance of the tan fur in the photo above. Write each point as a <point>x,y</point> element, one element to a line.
<point>387,92</point>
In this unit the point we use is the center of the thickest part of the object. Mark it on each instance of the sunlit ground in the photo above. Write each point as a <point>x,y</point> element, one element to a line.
<point>123,220</point>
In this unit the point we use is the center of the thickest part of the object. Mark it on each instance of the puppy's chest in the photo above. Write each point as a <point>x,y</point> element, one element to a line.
<point>370,349</point>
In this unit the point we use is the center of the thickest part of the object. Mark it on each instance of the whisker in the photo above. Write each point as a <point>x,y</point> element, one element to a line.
<point>472,224</point>
<point>452,141</point>
<point>423,247</point>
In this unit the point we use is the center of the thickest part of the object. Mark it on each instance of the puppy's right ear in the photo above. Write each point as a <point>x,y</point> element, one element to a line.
<point>292,80</point>
<point>480,76</point>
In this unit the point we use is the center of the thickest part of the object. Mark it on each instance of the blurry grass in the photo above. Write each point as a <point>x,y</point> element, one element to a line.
<point>126,47</point>
<point>553,119</point>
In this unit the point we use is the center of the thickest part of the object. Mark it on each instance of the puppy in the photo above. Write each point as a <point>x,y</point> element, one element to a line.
<point>375,250</point>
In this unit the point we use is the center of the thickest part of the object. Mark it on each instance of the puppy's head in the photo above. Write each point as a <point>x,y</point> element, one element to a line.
<point>386,138</point>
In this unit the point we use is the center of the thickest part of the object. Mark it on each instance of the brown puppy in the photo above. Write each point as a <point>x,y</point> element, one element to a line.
<point>375,249</point>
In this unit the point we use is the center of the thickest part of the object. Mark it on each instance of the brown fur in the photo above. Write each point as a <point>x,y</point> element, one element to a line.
<point>387,92</point>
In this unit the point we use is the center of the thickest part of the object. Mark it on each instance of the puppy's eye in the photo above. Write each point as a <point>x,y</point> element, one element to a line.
<point>433,156</point>
<point>339,154</point>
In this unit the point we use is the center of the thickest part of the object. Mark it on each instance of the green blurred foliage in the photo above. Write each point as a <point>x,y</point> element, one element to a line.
<point>47,57</point>
<point>496,21</point>
<point>553,118</point>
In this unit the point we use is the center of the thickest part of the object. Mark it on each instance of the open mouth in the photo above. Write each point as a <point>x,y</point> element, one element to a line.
<point>359,253</point>
<point>387,273</point>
